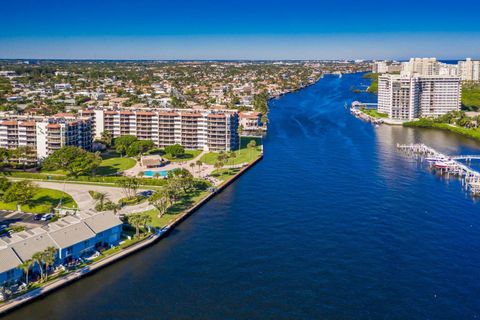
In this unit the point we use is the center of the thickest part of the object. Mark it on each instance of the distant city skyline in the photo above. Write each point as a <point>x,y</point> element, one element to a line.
<point>240,30</point>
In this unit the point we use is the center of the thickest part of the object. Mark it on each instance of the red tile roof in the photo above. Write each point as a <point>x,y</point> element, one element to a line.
<point>197,115</point>
<point>27,124</point>
<point>216,115</point>
<point>171,114</point>
<point>9,123</point>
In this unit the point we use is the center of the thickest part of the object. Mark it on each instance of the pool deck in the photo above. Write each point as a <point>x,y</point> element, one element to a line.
<point>198,171</point>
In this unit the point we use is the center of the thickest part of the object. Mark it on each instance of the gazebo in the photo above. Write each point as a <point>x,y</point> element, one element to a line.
<point>152,161</point>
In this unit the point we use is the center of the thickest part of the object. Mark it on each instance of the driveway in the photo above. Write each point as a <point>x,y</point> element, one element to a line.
<point>79,192</point>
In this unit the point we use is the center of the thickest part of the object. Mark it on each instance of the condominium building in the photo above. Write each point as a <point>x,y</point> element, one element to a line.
<point>214,130</point>
<point>469,70</point>
<point>406,97</point>
<point>422,66</point>
<point>386,67</point>
<point>42,135</point>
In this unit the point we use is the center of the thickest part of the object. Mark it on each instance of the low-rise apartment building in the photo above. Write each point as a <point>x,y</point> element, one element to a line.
<point>42,135</point>
<point>72,236</point>
<point>214,130</point>
<point>406,97</point>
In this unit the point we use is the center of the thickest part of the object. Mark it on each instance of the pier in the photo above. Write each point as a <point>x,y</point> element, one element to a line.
<point>449,165</point>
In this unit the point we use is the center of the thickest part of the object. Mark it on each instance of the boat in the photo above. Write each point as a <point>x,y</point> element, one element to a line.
<point>440,165</point>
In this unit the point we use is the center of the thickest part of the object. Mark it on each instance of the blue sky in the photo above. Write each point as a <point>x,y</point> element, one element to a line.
<point>247,29</point>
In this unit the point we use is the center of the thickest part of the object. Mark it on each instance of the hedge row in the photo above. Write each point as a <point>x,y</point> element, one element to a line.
<point>107,179</point>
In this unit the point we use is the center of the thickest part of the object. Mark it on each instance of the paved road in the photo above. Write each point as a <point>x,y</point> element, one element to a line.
<point>79,193</point>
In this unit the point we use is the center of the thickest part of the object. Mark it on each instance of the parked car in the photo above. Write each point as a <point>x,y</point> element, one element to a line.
<point>46,217</point>
<point>146,193</point>
<point>38,217</point>
<point>3,226</point>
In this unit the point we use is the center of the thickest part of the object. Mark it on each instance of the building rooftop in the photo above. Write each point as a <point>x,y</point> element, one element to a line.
<point>63,233</point>
<point>8,260</point>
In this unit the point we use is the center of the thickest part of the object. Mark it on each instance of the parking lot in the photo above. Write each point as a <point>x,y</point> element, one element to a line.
<point>19,218</point>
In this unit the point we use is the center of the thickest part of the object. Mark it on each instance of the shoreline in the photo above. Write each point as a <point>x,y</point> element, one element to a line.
<point>24,299</point>
<point>427,124</point>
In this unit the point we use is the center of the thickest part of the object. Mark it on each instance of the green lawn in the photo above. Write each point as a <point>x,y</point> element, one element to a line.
<point>374,113</point>
<point>174,211</point>
<point>189,155</point>
<point>43,201</point>
<point>224,174</point>
<point>243,155</point>
<point>471,97</point>
<point>113,165</point>
<point>426,123</point>
<point>55,172</point>
<point>373,88</point>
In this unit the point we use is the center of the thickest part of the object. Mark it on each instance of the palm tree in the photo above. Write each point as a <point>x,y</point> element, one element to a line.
<point>136,221</point>
<point>106,138</point>
<point>101,197</point>
<point>251,145</point>
<point>25,266</point>
<point>145,219</point>
<point>232,155</point>
<point>49,258</point>
<point>192,165</point>
<point>199,164</point>
<point>38,258</point>
<point>218,165</point>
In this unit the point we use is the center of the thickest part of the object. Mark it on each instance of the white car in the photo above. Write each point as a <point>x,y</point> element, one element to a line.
<point>46,217</point>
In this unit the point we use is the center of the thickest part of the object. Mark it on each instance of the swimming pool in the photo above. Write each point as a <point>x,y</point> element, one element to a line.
<point>150,173</point>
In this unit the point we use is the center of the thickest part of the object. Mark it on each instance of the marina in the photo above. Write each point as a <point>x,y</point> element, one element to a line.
<point>449,165</point>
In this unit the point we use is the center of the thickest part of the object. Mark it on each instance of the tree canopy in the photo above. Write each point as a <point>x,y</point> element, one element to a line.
<point>129,185</point>
<point>139,147</point>
<point>175,150</point>
<point>20,192</point>
<point>122,143</point>
<point>73,160</point>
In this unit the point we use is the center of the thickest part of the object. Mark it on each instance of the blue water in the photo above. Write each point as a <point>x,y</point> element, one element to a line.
<point>334,223</point>
<point>150,173</point>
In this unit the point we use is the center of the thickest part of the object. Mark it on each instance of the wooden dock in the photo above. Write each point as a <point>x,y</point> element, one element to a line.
<point>449,165</point>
